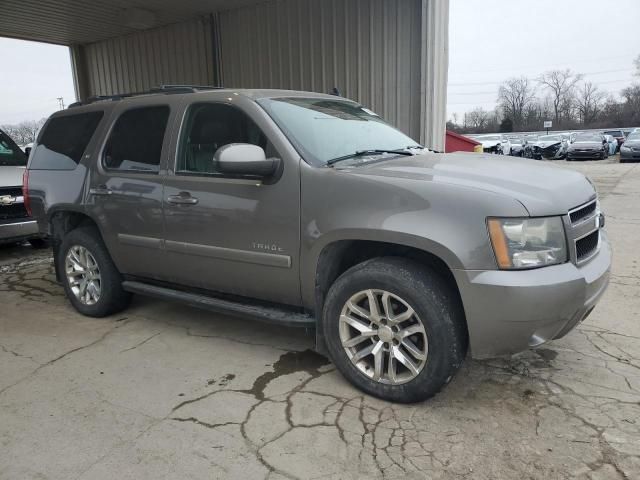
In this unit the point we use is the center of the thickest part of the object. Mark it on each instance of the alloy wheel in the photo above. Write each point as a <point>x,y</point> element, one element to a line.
<point>83,275</point>
<point>383,337</point>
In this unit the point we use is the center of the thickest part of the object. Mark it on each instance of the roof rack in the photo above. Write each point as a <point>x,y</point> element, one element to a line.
<point>161,89</point>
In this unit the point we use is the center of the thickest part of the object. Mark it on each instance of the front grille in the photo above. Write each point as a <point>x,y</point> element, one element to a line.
<point>15,210</point>
<point>583,212</point>
<point>587,245</point>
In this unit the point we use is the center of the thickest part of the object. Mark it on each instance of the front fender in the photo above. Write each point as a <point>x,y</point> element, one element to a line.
<point>445,220</point>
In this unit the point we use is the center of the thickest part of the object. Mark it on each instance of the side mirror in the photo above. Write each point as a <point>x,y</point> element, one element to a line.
<point>245,159</point>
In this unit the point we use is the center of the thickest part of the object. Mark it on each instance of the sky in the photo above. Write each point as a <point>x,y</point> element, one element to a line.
<point>492,40</point>
<point>32,76</point>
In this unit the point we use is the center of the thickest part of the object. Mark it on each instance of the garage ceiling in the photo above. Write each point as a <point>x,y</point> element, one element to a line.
<point>69,22</point>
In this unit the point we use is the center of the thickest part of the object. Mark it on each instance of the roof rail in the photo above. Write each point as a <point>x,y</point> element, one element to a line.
<point>161,89</point>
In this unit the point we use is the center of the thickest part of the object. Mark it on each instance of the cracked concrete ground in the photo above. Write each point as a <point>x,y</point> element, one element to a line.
<point>165,391</point>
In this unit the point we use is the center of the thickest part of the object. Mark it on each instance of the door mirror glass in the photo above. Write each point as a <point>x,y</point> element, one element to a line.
<point>244,159</point>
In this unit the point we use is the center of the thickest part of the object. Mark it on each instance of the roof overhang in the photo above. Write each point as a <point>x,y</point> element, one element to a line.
<point>69,22</point>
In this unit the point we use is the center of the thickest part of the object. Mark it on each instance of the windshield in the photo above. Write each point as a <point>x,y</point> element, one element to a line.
<point>588,137</point>
<point>551,138</point>
<point>515,139</point>
<point>615,133</point>
<point>634,136</point>
<point>323,129</point>
<point>10,153</point>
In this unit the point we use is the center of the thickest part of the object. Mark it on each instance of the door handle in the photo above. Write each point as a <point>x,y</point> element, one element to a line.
<point>183,198</point>
<point>101,190</point>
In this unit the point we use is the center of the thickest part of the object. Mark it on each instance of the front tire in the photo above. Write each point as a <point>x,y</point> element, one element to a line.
<point>91,281</point>
<point>394,330</point>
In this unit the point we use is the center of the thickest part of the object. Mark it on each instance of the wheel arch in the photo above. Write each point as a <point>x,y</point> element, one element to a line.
<point>338,256</point>
<point>61,221</point>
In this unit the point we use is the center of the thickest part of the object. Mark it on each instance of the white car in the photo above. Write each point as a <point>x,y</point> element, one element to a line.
<point>496,143</point>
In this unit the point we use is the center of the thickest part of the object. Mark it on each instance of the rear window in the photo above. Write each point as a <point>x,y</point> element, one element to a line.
<point>10,153</point>
<point>63,141</point>
<point>135,142</point>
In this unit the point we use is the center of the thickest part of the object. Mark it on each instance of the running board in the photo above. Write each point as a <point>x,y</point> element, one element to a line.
<point>262,313</point>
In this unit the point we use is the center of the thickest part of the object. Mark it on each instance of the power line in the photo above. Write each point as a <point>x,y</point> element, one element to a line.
<point>602,72</point>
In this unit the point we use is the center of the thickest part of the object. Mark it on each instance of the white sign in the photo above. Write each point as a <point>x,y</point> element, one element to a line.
<point>548,124</point>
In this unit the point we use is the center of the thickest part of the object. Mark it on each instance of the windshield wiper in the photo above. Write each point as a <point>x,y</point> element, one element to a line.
<point>364,153</point>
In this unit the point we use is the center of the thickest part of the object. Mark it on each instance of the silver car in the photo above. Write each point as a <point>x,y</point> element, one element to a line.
<point>15,223</point>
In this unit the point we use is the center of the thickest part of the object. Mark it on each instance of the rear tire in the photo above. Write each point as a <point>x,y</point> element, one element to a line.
<point>39,243</point>
<point>433,338</point>
<point>98,291</point>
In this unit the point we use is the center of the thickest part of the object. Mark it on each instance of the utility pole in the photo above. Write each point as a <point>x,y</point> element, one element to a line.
<point>61,103</point>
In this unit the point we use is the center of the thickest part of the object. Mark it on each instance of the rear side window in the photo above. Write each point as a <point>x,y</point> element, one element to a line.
<point>64,140</point>
<point>135,142</point>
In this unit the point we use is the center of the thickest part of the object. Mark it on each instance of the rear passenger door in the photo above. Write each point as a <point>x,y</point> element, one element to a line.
<point>125,194</point>
<point>232,234</point>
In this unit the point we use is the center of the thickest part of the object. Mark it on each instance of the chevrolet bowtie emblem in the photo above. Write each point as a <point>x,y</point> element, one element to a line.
<point>7,200</point>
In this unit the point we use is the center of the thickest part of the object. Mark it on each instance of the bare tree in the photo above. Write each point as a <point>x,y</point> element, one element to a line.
<point>24,132</point>
<point>515,95</point>
<point>589,102</point>
<point>561,84</point>
<point>477,118</point>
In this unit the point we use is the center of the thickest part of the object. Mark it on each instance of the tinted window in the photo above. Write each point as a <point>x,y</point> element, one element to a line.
<point>63,141</point>
<point>210,126</point>
<point>10,153</point>
<point>136,140</point>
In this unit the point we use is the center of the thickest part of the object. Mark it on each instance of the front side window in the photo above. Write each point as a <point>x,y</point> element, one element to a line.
<point>135,143</point>
<point>209,126</point>
<point>64,140</point>
<point>10,153</point>
<point>323,129</point>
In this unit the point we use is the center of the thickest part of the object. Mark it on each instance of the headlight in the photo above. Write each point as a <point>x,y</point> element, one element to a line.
<point>520,243</point>
<point>625,149</point>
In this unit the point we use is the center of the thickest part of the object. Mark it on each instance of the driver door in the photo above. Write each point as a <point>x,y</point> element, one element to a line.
<point>232,234</point>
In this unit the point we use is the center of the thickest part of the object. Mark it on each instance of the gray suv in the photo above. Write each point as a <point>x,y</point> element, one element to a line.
<point>307,209</point>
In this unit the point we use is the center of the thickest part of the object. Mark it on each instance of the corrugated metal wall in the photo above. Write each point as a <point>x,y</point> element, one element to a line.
<point>176,54</point>
<point>369,49</point>
<point>390,55</point>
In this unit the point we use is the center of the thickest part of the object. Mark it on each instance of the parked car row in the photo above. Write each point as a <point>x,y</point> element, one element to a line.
<point>590,145</point>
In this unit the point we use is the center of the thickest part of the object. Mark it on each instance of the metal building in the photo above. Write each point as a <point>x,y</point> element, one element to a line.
<point>390,55</point>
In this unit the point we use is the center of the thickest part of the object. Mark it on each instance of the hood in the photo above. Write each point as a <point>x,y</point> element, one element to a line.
<point>11,176</point>
<point>632,143</point>
<point>489,143</point>
<point>585,145</point>
<point>547,143</point>
<point>543,189</point>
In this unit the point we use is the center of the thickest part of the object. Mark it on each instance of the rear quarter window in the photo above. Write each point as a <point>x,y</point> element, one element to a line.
<point>64,140</point>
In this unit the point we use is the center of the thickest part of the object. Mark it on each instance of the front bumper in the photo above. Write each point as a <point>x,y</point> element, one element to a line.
<point>590,155</point>
<point>630,155</point>
<point>510,311</point>
<point>17,230</point>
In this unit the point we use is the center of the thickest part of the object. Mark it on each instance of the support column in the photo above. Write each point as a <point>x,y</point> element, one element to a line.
<point>79,71</point>
<point>434,68</point>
